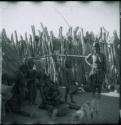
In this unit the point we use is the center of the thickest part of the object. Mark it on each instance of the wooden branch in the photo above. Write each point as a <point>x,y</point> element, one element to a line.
<point>46,56</point>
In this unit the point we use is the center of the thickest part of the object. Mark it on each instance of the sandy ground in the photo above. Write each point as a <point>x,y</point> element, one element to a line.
<point>109,111</point>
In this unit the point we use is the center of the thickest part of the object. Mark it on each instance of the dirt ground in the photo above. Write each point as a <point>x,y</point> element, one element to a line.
<point>108,111</point>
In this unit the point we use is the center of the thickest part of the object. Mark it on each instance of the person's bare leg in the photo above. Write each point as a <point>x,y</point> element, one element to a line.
<point>99,92</point>
<point>66,94</point>
<point>94,91</point>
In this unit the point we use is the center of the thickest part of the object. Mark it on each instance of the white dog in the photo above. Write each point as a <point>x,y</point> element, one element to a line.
<point>87,113</point>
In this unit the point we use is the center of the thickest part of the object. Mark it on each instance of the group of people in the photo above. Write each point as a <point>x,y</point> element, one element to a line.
<point>28,80</point>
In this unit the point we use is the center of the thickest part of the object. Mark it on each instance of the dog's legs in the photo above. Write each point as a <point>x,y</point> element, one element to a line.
<point>75,119</point>
<point>87,116</point>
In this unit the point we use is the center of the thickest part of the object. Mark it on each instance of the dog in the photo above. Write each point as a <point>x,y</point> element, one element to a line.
<point>87,113</point>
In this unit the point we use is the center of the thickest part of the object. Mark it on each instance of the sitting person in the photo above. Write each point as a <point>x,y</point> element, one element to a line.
<point>19,90</point>
<point>51,96</point>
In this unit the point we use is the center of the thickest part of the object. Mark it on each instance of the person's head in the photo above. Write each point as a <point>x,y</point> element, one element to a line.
<point>96,47</point>
<point>23,68</point>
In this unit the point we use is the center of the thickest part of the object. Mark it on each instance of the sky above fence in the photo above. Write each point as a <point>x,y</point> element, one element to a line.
<point>88,15</point>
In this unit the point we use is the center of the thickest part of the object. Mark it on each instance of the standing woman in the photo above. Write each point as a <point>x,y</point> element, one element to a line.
<point>98,68</point>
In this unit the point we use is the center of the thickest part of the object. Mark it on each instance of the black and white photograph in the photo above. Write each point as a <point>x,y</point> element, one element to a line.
<point>60,62</point>
<point>120,71</point>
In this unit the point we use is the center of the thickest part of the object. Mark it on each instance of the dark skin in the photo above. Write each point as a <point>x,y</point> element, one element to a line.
<point>98,69</point>
<point>69,79</point>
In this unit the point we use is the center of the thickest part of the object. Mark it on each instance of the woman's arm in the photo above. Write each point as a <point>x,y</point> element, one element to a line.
<point>87,58</point>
